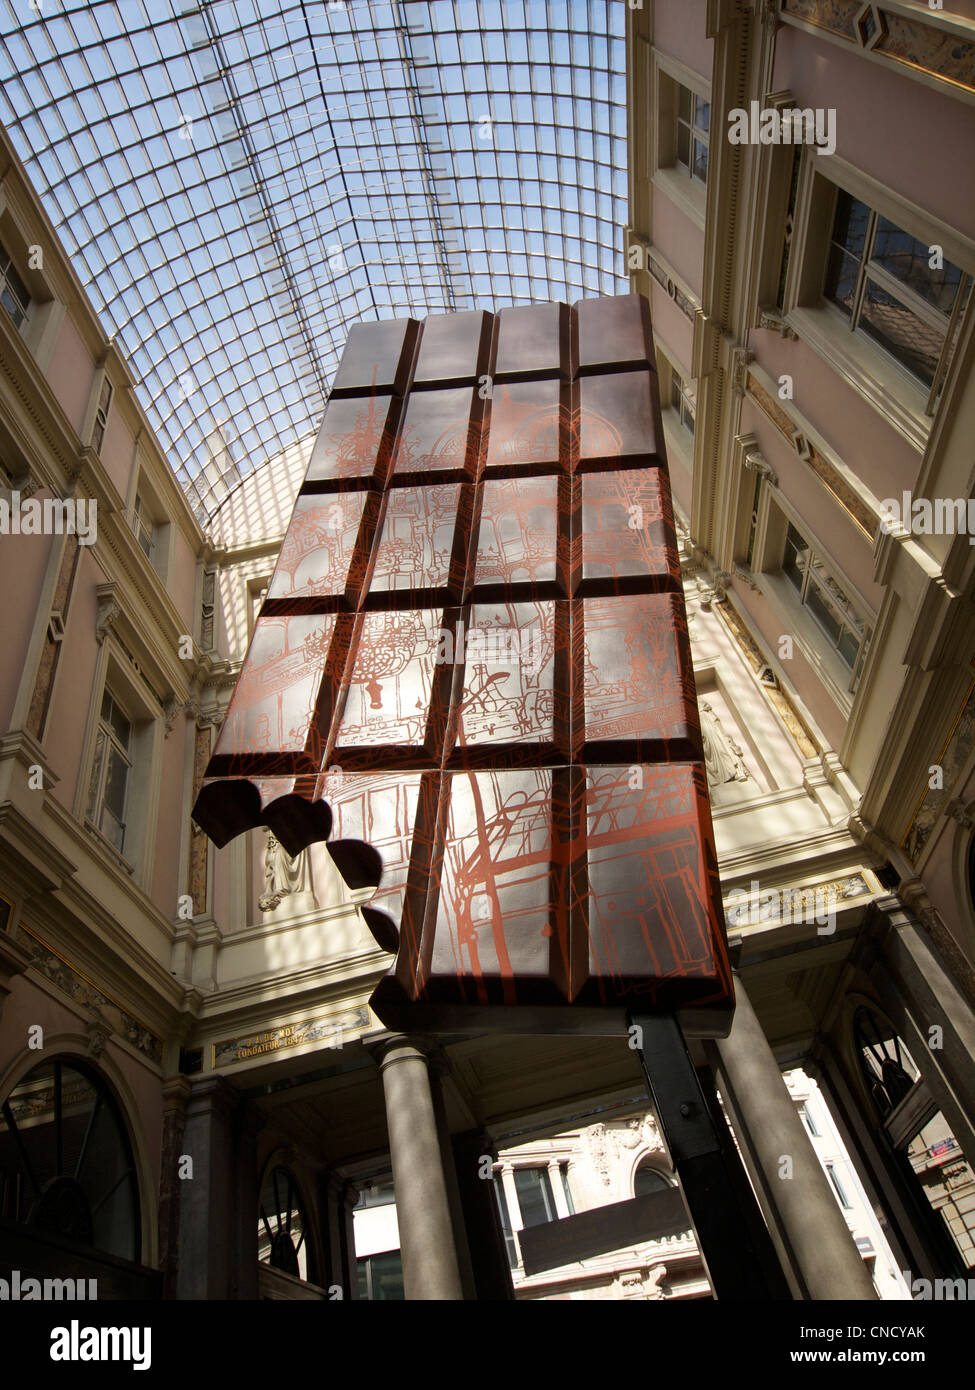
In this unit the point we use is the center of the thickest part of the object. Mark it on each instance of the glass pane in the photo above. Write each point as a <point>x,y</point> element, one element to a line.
<point>823,611</point>
<point>114,716</point>
<point>534,1196</point>
<point>675,390</point>
<point>683,145</point>
<point>700,161</point>
<point>387,1277</point>
<point>796,558</point>
<point>96,772</point>
<point>115,782</point>
<point>915,344</point>
<point>907,258</point>
<point>841,279</point>
<point>850,223</point>
<point>11,306</point>
<point>848,646</point>
<point>702,113</point>
<point>683,103</point>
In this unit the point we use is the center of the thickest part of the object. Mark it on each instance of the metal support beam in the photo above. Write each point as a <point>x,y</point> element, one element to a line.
<point>728,1225</point>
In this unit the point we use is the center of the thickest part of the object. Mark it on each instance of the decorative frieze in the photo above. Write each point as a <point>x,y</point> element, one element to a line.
<point>105,1017</point>
<point>777,698</point>
<point>848,498</point>
<point>937,800</point>
<point>908,41</point>
<point>331,1030</point>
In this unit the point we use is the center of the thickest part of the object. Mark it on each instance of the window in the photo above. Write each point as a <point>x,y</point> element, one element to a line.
<point>283,1226</point>
<point>144,527</point>
<point>809,1120</point>
<point>838,1188</point>
<point>882,280</point>
<point>13,292</point>
<point>818,591</point>
<point>692,134</point>
<point>101,414</point>
<point>648,1179</point>
<point>381,1277</point>
<point>682,400</point>
<point>66,1164</point>
<point>112,764</point>
<point>535,1197</point>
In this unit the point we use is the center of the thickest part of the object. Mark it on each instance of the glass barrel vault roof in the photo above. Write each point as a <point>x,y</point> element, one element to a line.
<point>237,181</point>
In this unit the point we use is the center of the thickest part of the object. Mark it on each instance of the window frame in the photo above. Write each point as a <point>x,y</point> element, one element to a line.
<point>680,439</point>
<point>695,133</point>
<point>8,268</point>
<point>810,579</point>
<point>673,179</point>
<point>117,673</point>
<point>870,271</point>
<point>545,1187</point>
<point>107,741</point>
<point>875,374</point>
<point>103,410</point>
<point>776,514</point>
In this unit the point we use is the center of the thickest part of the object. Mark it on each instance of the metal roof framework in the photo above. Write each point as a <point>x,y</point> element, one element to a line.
<point>238,181</point>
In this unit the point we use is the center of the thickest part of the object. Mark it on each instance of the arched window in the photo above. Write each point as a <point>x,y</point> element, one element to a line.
<point>282,1234</point>
<point>886,1065</point>
<point>66,1164</point>
<point>648,1179</point>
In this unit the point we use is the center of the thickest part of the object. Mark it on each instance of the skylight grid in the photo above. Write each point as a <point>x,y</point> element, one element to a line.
<point>239,182</point>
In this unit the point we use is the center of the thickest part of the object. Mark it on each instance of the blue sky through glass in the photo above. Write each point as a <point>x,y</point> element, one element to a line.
<point>238,181</point>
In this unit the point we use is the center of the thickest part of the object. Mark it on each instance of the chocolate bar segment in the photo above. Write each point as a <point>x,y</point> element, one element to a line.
<point>377,357</point>
<point>612,333</point>
<point>638,680</point>
<point>653,910</point>
<point>533,341</point>
<point>453,348</point>
<point>355,442</point>
<point>626,535</point>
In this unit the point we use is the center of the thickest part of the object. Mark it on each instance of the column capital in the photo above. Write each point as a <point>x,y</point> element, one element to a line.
<point>402,1047</point>
<point>212,1092</point>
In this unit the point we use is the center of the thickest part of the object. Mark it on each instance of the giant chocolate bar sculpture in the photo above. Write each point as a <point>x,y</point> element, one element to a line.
<point>472,671</point>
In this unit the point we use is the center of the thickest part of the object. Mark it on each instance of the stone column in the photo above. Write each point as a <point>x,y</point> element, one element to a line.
<point>175,1091</point>
<point>430,1266</point>
<point>791,1182</point>
<point>207,1234</point>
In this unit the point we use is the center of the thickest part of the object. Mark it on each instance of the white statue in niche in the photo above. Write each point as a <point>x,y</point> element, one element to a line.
<point>723,758</point>
<point>285,877</point>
